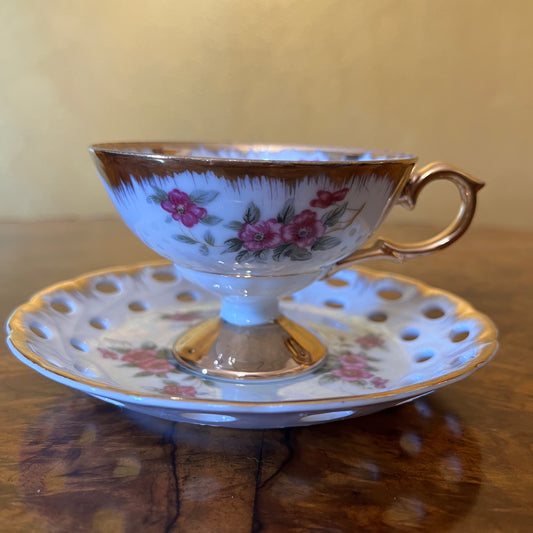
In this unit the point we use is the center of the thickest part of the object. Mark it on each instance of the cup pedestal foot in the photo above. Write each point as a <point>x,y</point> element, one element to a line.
<point>274,350</point>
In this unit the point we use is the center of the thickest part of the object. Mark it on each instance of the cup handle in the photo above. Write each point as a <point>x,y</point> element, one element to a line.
<point>468,187</point>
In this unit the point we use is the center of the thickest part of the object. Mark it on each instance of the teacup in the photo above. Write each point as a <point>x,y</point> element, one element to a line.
<point>255,223</point>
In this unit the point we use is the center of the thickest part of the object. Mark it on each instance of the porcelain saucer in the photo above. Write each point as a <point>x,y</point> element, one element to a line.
<point>390,340</point>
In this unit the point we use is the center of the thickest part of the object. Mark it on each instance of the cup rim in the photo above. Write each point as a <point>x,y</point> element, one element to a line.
<point>181,151</point>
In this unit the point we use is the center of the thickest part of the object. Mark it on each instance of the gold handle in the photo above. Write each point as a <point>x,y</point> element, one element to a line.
<point>382,249</point>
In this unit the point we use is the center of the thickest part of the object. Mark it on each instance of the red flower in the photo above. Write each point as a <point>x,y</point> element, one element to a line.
<point>139,356</point>
<point>379,383</point>
<point>353,360</point>
<point>370,341</point>
<point>108,354</point>
<point>304,229</point>
<point>156,366</point>
<point>351,373</point>
<point>182,209</point>
<point>261,235</point>
<point>184,391</point>
<point>325,198</point>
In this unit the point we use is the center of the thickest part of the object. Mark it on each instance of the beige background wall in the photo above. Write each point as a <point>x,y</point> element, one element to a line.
<point>447,79</point>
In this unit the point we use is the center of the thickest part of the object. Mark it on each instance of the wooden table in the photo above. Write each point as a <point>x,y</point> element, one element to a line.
<point>458,460</point>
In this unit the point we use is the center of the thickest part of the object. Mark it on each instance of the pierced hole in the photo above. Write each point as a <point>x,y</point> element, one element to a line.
<point>79,345</point>
<point>288,298</point>
<point>424,355</point>
<point>377,316</point>
<point>137,306</point>
<point>459,335</point>
<point>433,312</point>
<point>390,294</point>
<point>410,335</point>
<point>334,304</point>
<point>40,330</point>
<point>337,282</point>
<point>107,287</point>
<point>62,306</point>
<point>99,323</point>
<point>187,297</point>
<point>164,277</point>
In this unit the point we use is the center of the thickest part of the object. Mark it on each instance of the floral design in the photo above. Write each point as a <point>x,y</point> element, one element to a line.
<point>290,235</point>
<point>184,391</point>
<point>358,367</point>
<point>181,208</point>
<point>261,235</point>
<point>148,359</point>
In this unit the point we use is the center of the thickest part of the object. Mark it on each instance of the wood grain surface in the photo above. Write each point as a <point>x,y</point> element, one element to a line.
<point>459,460</point>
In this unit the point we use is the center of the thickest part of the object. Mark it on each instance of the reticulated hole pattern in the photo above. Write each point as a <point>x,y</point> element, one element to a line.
<point>164,277</point>
<point>459,335</point>
<point>62,306</point>
<point>424,355</point>
<point>107,287</point>
<point>138,306</point>
<point>337,282</point>
<point>79,345</point>
<point>334,304</point>
<point>187,296</point>
<point>40,331</point>
<point>410,334</point>
<point>434,312</point>
<point>390,294</point>
<point>99,323</point>
<point>377,316</point>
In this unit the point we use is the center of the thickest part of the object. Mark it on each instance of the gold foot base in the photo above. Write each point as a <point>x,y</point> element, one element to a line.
<point>276,350</point>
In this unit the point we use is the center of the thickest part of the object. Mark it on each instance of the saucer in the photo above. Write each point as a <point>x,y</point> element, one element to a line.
<point>390,340</point>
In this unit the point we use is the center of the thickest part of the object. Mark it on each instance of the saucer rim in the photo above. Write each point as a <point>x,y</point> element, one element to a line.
<point>17,342</point>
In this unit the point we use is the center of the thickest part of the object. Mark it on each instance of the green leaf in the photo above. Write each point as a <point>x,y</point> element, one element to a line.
<point>300,254</point>
<point>243,256</point>
<point>210,220</point>
<point>252,214</point>
<point>287,212</point>
<point>261,255</point>
<point>327,379</point>
<point>209,238</point>
<point>234,225</point>
<point>185,239</point>
<point>332,217</point>
<point>325,243</point>
<point>202,197</point>
<point>233,245</point>
<point>143,374</point>
<point>283,250</point>
<point>159,196</point>
<point>204,250</point>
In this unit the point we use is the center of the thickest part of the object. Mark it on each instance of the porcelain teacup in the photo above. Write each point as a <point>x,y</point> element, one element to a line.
<point>255,223</point>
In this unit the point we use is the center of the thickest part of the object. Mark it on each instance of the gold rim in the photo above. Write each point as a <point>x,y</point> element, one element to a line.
<point>18,338</point>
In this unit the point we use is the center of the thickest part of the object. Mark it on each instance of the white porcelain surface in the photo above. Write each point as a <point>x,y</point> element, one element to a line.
<point>390,340</point>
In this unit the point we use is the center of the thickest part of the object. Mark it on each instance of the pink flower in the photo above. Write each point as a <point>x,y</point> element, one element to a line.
<point>139,356</point>
<point>353,360</point>
<point>108,354</point>
<point>261,235</point>
<point>351,373</point>
<point>184,391</point>
<point>304,229</point>
<point>156,366</point>
<point>370,341</point>
<point>182,209</point>
<point>325,198</point>
<point>379,383</point>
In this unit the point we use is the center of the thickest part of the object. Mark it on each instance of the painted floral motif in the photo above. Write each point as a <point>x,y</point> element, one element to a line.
<point>290,235</point>
<point>358,368</point>
<point>148,359</point>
